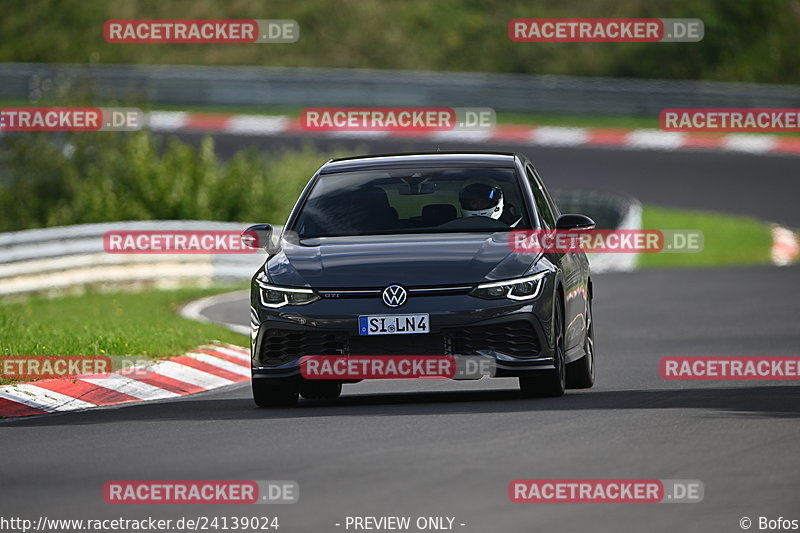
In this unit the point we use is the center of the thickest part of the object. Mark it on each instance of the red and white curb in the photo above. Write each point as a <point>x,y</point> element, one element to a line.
<point>636,139</point>
<point>206,368</point>
<point>785,246</point>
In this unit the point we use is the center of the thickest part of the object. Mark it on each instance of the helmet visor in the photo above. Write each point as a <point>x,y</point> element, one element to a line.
<point>478,197</point>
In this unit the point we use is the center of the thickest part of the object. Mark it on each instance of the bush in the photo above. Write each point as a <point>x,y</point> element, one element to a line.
<point>745,40</point>
<point>99,177</point>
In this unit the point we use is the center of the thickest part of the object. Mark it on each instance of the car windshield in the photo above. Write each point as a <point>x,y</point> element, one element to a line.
<point>418,200</point>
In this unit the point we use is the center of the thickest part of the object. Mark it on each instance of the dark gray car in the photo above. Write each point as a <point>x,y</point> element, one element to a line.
<point>375,241</point>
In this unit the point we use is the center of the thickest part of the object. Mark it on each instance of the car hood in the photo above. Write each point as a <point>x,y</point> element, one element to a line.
<point>411,260</point>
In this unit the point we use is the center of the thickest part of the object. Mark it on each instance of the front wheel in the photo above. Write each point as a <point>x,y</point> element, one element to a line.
<point>549,383</point>
<point>275,392</point>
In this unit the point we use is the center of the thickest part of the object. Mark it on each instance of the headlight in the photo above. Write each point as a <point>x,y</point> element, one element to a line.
<point>526,288</point>
<point>274,296</point>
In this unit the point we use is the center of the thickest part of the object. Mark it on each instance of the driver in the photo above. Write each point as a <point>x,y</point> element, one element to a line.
<point>481,200</point>
<point>486,200</point>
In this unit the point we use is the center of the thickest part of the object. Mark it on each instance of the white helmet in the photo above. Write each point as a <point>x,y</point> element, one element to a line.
<point>481,200</point>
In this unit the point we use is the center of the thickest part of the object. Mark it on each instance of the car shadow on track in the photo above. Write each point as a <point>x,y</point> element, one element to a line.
<point>776,401</point>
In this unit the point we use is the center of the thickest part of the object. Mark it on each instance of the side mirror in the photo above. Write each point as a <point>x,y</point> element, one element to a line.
<point>577,222</point>
<point>258,236</point>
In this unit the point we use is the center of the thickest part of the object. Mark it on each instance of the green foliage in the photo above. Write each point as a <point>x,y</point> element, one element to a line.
<point>745,40</point>
<point>104,176</point>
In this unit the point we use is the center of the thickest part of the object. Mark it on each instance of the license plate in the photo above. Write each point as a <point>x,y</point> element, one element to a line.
<point>393,324</point>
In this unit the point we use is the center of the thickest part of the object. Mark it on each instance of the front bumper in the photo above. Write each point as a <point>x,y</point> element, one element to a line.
<point>515,336</point>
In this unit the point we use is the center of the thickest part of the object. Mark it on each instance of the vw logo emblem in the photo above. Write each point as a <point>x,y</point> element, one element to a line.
<point>394,295</point>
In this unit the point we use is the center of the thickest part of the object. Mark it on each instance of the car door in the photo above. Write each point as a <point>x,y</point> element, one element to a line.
<point>571,264</point>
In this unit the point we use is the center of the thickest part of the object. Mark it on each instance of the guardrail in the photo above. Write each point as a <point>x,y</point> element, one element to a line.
<point>72,256</point>
<point>60,258</point>
<point>280,86</point>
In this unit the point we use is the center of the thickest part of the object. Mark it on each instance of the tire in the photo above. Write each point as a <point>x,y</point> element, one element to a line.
<point>314,389</point>
<point>549,383</point>
<point>275,392</point>
<point>580,373</point>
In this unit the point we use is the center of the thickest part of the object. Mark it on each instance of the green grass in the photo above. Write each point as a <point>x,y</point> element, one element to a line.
<point>503,118</point>
<point>728,240</point>
<point>525,119</point>
<point>581,121</point>
<point>134,324</point>
<point>533,119</point>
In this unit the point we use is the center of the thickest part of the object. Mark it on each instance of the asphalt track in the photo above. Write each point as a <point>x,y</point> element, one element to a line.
<point>437,448</point>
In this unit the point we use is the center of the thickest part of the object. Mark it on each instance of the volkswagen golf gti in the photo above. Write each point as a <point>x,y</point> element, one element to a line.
<point>408,254</point>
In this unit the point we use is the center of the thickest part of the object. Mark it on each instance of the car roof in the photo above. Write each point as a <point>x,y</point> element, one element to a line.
<point>420,159</point>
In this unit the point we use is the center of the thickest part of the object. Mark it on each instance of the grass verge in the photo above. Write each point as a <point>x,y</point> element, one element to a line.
<point>728,240</point>
<point>135,324</point>
<point>521,119</point>
<point>503,118</point>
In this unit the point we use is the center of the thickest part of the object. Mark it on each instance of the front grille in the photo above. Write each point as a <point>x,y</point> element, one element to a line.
<point>517,339</point>
<point>428,344</point>
<point>279,346</point>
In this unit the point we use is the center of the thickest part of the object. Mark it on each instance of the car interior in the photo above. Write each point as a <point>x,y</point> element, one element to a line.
<point>365,203</point>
